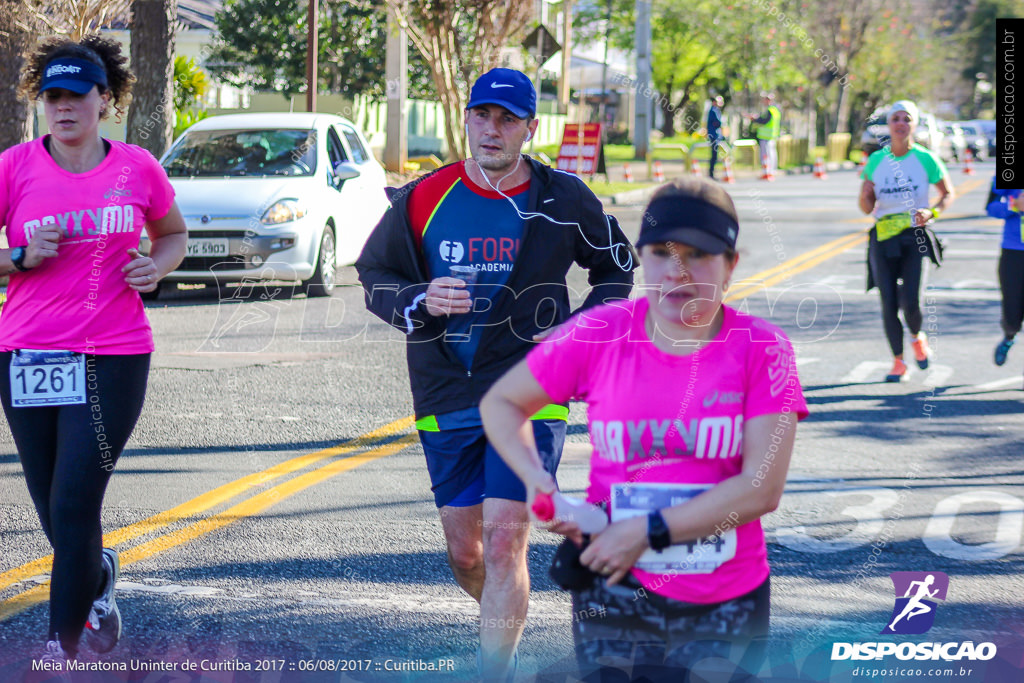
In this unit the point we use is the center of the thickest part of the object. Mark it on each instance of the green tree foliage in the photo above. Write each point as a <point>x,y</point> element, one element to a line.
<point>190,84</point>
<point>838,58</point>
<point>460,40</point>
<point>262,44</point>
<point>697,46</point>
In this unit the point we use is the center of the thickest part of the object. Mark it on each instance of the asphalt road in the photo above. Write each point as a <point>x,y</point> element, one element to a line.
<point>273,510</point>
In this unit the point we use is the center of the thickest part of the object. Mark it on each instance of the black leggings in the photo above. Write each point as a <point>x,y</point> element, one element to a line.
<point>68,454</point>
<point>1011,281</point>
<point>898,259</point>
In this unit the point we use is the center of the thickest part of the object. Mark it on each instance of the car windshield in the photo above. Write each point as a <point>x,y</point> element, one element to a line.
<point>248,153</point>
<point>968,130</point>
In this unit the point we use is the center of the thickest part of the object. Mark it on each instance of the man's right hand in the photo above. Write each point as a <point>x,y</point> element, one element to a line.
<point>42,245</point>
<point>448,296</point>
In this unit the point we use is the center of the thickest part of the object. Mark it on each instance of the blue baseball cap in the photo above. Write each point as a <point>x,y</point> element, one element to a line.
<point>507,88</point>
<point>76,75</point>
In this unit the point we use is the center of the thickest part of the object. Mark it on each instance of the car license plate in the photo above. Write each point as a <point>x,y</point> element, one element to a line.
<point>207,247</point>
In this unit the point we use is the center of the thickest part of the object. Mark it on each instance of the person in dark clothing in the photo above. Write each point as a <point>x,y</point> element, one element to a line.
<point>470,263</point>
<point>715,132</point>
<point>1007,205</point>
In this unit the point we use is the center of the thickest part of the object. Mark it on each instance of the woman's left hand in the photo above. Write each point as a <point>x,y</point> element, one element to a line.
<point>141,273</point>
<point>614,551</point>
<point>922,216</point>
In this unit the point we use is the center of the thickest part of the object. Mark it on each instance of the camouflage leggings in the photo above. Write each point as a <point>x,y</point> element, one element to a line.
<point>627,633</point>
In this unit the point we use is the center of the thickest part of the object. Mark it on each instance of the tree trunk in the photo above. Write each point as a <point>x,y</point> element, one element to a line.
<point>843,114</point>
<point>151,115</point>
<point>668,117</point>
<point>15,112</point>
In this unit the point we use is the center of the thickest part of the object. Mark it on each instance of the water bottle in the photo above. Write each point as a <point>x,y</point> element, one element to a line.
<point>590,518</point>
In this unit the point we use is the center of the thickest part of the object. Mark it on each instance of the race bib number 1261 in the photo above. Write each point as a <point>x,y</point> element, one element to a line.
<point>47,378</point>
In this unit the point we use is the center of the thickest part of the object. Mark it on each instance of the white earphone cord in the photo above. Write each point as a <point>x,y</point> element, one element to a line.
<point>613,247</point>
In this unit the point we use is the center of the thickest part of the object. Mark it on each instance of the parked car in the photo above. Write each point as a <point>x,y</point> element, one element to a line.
<point>975,140</point>
<point>987,130</point>
<point>953,143</point>
<point>876,131</point>
<point>273,197</point>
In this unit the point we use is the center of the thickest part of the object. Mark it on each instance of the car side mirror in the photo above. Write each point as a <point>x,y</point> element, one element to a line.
<point>345,170</point>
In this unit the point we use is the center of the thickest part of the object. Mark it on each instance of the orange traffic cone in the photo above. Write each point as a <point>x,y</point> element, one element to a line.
<point>694,167</point>
<point>765,175</point>
<point>968,158</point>
<point>727,178</point>
<point>819,169</point>
<point>659,175</point>
<point>629,173</point>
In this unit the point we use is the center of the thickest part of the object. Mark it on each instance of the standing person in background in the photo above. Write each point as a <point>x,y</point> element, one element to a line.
<point>74,206</point>
<point>1008,206</point>
<point>895,193</point>
<point>692,410</point>
<point>519,226</point>
<point>715,132</point>
<point>769,128</point>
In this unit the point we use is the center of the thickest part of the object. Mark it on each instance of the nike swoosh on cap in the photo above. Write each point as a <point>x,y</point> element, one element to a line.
<point>501,85</point>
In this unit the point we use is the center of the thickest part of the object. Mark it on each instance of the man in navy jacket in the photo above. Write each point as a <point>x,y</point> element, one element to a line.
<point>518,226</point>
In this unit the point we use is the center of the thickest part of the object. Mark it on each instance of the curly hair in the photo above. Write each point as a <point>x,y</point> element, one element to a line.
<point>100,50</point>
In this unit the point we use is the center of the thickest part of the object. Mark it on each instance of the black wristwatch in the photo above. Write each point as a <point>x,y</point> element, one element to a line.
<point>658,535</point>
<point>18,258</point>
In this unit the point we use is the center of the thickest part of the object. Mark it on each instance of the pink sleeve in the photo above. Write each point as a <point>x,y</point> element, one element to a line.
<point>5,183</point>
<point>559,364</point>
<point>161,192</point>
<point>773,385</point>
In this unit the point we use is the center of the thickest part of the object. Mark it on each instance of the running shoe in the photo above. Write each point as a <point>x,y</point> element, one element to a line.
<point>103,629</point>
<point>921,351</point>
<point>1002,350</point>
<point>898,372</point>
<point>55,661</point>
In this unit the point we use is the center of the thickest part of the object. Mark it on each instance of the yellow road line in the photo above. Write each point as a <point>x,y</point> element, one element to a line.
<point>247,508</point>
<point>213,498</point>
<point>795,265</point>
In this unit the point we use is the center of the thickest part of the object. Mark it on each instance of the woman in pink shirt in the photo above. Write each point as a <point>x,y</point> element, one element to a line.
<point>692,410</point>
<point>74,339</point>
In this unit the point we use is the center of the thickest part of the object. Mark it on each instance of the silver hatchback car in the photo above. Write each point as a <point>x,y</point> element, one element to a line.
<point>273,197</point>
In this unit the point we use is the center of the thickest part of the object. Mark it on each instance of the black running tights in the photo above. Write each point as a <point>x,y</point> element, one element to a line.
<point>68,454</point>
<point>890,264</point>
<point>1011,281</point>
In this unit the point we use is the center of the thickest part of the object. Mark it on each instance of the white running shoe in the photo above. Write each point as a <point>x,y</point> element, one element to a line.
<point>103,628</point>
<point>54,660</point>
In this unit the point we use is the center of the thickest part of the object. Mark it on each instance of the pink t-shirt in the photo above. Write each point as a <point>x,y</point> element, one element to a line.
<point>78,300</point>
<point>656,418</point>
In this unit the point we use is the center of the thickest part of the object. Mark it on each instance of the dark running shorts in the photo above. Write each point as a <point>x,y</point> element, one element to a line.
<point>626,633</point>
<point>464,468</point>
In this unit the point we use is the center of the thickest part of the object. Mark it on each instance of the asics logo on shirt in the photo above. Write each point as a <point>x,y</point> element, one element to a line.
<point>88,223</point>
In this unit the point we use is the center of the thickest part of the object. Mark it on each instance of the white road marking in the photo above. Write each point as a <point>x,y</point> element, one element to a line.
<point>867,370</point>
<point>937,375</point>
<point>998,384</point>
<point>1009,523</point>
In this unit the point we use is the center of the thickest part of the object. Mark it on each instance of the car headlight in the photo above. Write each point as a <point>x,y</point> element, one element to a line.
<point>283,211</point>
